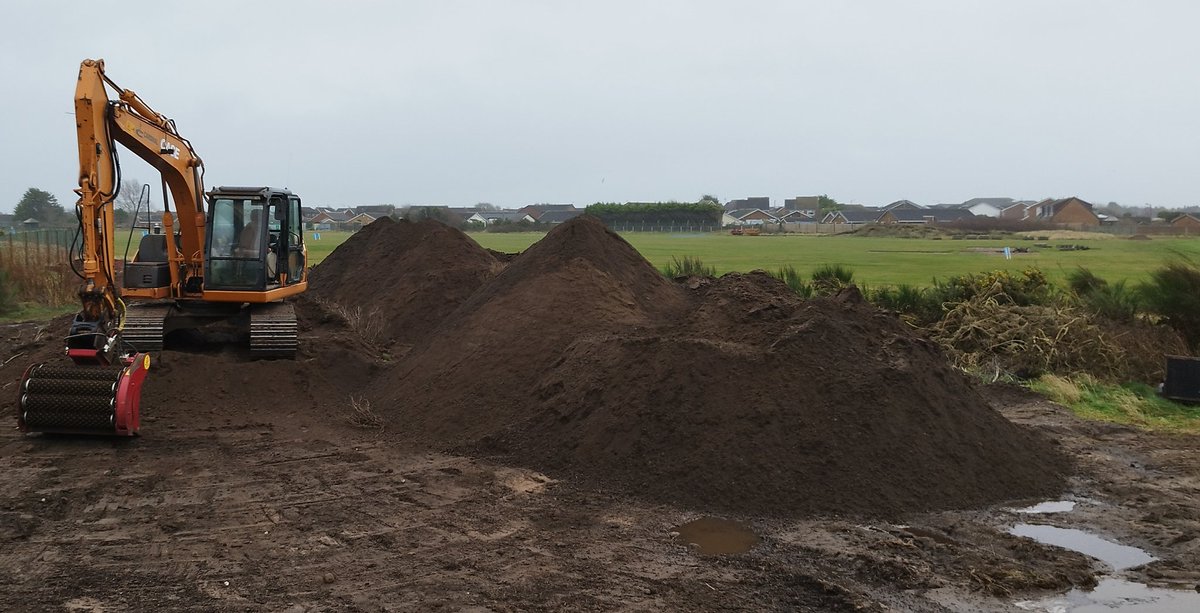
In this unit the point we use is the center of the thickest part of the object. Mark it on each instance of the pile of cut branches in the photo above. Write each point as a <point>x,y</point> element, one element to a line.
<point>989,333</point>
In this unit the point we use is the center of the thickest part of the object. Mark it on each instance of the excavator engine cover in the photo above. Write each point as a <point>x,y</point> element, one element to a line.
<point>83,399</point>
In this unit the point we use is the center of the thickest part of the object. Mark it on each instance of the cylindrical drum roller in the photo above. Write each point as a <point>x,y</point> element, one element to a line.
<point>83,399</point>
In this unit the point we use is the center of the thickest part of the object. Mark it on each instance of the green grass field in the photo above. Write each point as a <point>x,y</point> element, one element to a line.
<point>875,261</point>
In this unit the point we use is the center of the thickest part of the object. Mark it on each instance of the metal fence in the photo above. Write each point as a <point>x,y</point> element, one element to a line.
<point>661,227</point>
<point>36,247</point>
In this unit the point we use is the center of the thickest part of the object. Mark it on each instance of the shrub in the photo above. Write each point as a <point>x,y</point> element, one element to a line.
<point>793,279</point>
<point>1173,293</point>
<point>829,278</point>
<point>1083,281</point>
<point>921,304</point>
<point>1026,288</point>
<point>689,266</point>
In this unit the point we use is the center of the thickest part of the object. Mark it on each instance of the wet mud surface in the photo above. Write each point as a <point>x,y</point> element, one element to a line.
<point>270,510</point>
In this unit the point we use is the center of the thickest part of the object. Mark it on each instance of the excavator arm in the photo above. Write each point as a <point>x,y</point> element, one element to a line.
<point>101,123</point>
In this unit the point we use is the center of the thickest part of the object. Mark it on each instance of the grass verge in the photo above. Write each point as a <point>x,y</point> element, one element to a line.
<point>1132,403</point>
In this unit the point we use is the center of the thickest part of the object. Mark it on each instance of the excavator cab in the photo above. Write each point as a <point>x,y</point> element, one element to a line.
<point>255,241</point>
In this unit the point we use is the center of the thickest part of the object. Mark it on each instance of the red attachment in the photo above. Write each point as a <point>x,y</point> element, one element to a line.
<point>129,395</point>
<point>87,356</point>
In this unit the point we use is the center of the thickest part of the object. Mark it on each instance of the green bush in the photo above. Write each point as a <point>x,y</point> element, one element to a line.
<point>1026,288</point>
<point>1083,282</point>
<point>1118,301</point>
<point>921,304</point>
<point>793,279</point>
<point>689,266</point>
<point>829,278</point>
<point>1173,293</point>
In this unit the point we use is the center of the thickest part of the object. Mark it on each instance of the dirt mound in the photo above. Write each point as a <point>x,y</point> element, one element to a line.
<point>395,280</point>
<point>474,374</point>
<point>581,359</point>
<point>779,406</point>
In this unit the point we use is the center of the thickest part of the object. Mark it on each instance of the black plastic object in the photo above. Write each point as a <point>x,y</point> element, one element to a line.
<point>1183,379</point>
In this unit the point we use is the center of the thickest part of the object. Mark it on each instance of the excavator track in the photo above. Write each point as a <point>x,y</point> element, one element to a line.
<point>273,330</point>
<point>144,324</point>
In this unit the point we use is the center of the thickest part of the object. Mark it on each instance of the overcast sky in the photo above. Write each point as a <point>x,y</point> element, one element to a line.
<point>516,102</point>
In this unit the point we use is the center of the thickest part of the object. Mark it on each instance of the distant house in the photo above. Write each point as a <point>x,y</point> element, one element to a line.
<point>330,219</point>
<point>907,216</point>
<point>1187,223</point>
<point>360,219</point>
<point>557,217</point>
<point>852,216</point>
<point>468,215</point>
<point>952,215</point>
<point>1014,211</point>
<point>728,220</point>
<point>375,210</point>
<point>753,217</point>
<point>535,211</point>
<point>803,203</point>
<point>903,205</point>
<point>987,207</point>
<point>761,203</point>
<point>507,216</point>
<point>795,215</point>
<point>30,224</point>
<point>1066,211</point>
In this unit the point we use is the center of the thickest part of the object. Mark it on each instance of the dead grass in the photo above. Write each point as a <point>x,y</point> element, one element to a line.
<point>361,415</point>
<point>367,324</point>
<point>1060,389</point>
<point>989,333</point>
<point>1134,404</point>
<point>37,284</point>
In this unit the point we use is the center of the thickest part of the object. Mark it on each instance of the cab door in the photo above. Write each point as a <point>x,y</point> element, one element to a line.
<point>293,240</point>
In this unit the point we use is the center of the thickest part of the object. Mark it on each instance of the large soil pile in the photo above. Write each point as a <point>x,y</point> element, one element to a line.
<point>581,359</point>
<point>396,280</point>
<point>475,374</point>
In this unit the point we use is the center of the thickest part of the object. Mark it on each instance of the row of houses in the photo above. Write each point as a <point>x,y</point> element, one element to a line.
<point>352,218</point>
<point>1067,212</point>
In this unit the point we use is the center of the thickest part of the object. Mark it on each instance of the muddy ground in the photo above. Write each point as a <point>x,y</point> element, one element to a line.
<point>270,508</point>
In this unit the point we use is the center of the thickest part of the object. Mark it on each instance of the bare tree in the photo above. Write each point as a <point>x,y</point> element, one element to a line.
<point>486,206</point>
<point>127,197</point>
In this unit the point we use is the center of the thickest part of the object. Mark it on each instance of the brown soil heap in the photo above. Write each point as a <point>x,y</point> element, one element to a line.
<point>398,279</point>
<point>581,359</point>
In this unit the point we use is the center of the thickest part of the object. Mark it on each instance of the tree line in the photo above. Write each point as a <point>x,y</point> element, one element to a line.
<point>706,211</point>
<point>42,206</point>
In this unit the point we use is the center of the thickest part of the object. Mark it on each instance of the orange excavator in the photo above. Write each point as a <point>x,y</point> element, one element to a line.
<point>232,254</point>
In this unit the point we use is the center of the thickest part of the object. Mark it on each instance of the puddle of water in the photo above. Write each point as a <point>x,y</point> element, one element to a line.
<point>1052,506</point>
<point>1117,595</point>
<point>1114,554</point>
<point>715,536</point>
<point>1110,594</point>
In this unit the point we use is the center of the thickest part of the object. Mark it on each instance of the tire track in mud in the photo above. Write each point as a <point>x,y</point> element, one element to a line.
<point>246,518</point>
